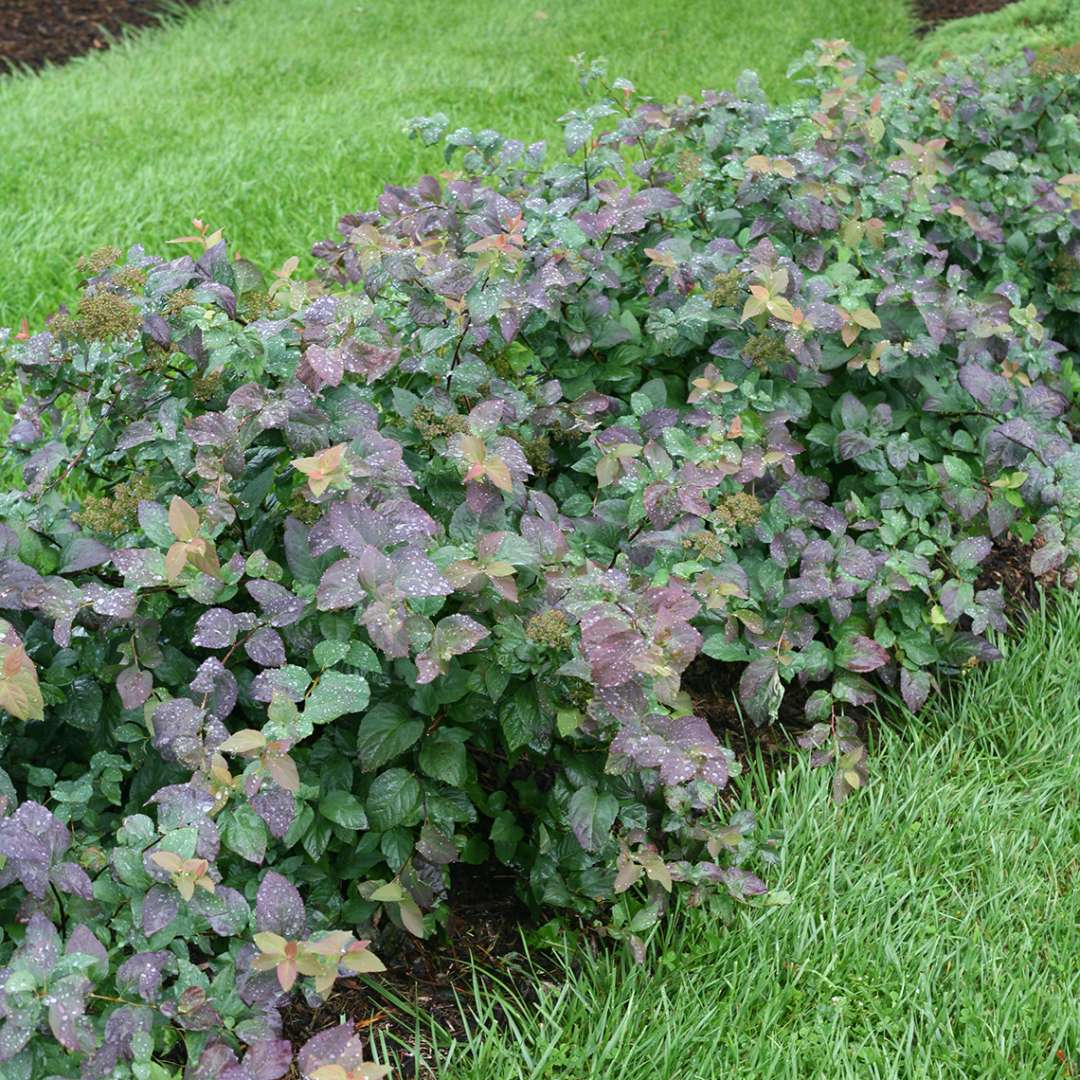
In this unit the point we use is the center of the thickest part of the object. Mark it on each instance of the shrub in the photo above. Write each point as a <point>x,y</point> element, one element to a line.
<point>324,589</point>
<point>1046,27</point>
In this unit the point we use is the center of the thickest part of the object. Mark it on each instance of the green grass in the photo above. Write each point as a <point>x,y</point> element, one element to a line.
<point>934,929</point>
<point>271,118</point>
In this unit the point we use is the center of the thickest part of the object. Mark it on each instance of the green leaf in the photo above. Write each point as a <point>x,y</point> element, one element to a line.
<point>396,846</point>
<point>344,809</point>
<point>292,679</point>
<point>506,833</point>
<point>363,657</point>
<point>154,521</point>
<point>394,799</point>
<point>317,838</point>
<point>386,731</point>
<point>245,834</point>
<point>336,694</point>
<point>717,647</point>
<point>591,817</point>
<point>520,717</point>
<point>82,703</point>
<point>957,469</point>
<point>285,721</point>
<point>329,653</point>
<point>443,757</point>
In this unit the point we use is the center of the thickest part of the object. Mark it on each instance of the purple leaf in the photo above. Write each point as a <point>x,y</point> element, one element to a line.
<point>340,586</point>
<point>277,808</point>
<point>611,648</point>
<point>279,907</point>
<point>215,629</point>
<point>215,1058</point>
<point>224,909</point>
<point>177,725</point>
<point>969,553</point>
<point>134,687</point>
<point>265,1060</point>
<point>40,947</point>
<point>1048,558</point>
<point>66,1000</point>
<point>334,1046</point>
<point>416,575</point>
<point>266,648</point>
<point>454,636</point>
<point>862,654</point>
<point>71,878</point>
<point>83,940</point>
<point>741,883</point>
<point>278,605</point>
<point>84,553</point>
<point>143,974</point>
<point>760,690</point>
<point>219,687</point>
<point>914,688</point>
<point>117,603</point>
<point>683,748</point>
<point>32,840</point>
<point>121,1027</point>
<point>161,905</point>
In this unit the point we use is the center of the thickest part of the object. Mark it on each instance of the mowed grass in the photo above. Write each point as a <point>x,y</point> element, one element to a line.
<point>271,118</point>
<point>934,928</point>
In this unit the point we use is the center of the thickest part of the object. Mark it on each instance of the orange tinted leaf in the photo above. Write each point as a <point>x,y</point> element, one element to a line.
<point>753,306</point>
<point>183,519</point>
<point>498,472</point>
<point>866,318</point>
<point>661,258</point>
<point>283,770</point>
<point>243,742</point>
<point>781,308</point>
<point>169,861</point>
<point>175,560</point>
<point>329,1072</point>
<point>270,944</point>
<point>203,556</point>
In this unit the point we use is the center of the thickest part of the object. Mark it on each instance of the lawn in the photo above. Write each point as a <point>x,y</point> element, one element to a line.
<point>271,118</point>
<point>933,927</point>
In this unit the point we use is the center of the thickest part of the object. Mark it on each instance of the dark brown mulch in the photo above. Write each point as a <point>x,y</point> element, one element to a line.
<point>435,980</point>
<point>1008,567</point>
<point>36,32</point>
<point>932,12</point>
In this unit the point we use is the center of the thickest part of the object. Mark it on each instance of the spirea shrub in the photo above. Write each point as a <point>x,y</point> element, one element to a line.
<point>320,593</point>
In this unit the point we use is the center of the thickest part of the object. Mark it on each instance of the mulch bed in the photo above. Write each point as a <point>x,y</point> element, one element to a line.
<point>36,32</point>
<point>433,979</point>
<point>932,12</point>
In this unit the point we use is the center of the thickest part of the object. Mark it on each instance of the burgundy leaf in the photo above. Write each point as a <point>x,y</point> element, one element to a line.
<point>279,907</point>
<point>134,687</point>
<point>266,648</point>
<point>144,973</point>
<point>215,629</point>
<point>161,905</point>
